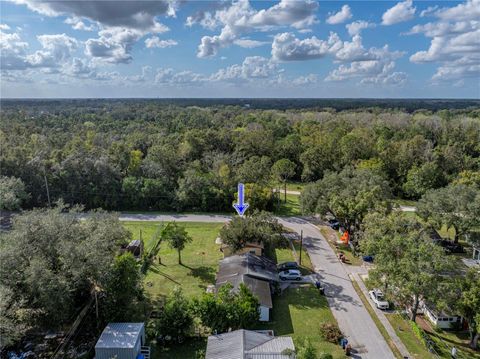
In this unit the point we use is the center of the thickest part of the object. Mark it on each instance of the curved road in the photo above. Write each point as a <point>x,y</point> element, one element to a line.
<point>352,317</point>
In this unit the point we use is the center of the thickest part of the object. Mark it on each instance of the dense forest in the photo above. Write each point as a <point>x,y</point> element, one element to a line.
<point>158,155</point>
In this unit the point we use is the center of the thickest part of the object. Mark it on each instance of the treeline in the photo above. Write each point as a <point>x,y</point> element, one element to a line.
<point>147,155</point>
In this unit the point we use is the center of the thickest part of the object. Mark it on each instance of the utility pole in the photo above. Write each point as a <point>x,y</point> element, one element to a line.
<point>46,186</point>
<point>301,246</point>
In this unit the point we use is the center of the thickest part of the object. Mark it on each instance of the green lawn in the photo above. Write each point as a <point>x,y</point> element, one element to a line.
<point>296,186</point>
<point>286,255</point>
<point>200,259</point>
<point>298,313</point>
<point>291,207</point>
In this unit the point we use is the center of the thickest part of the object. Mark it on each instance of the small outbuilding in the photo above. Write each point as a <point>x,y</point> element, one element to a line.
<point>122,341</point>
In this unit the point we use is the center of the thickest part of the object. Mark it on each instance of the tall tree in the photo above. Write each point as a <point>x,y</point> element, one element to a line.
<point>123,286</point>
<point>176,318</point>
<point>12,193</point>
<point>456,206</point>
<point>407,263</point>
<point>349,195</point>
<point>258,227</point>
<point>283,170</point>
<point>50,260</point>
<point>177,237</point>
<point>228,309</point>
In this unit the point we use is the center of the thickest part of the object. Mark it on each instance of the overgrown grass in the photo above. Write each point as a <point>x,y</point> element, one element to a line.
<point>404,331</point>
<point>200,259</point>
<point>298,313</point>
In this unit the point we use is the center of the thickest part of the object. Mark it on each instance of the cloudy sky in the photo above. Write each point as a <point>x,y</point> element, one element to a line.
<point>240,49</point>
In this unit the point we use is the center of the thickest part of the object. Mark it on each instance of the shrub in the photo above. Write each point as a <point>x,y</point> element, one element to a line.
<point>330,332</point>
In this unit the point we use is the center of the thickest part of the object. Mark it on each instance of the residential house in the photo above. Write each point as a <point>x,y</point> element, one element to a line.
<point>247,344</point>
<point>259,274</point>
<point>441,319</point>
<point>122,341</point>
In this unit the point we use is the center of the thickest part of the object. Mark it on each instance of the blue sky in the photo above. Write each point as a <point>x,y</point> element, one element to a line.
<point>240,49</point>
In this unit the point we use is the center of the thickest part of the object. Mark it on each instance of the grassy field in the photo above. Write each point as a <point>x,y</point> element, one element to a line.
<point>298,313</point>
<point>291,207</point>
<point>200,259</point>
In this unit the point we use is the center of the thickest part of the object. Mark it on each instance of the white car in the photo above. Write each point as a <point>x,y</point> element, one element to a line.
<point>379,299</point>
<point>290,274</point>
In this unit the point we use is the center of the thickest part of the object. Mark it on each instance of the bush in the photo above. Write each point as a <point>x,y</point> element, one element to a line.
<point>330,332</point>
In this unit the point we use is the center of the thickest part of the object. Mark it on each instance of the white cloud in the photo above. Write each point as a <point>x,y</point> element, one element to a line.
<point>253,67</point>
<point>454,42</point>
<point>240,18</point>
<point>428,11</point>
<point>156,42</point>
<point>78,24</point>
<point>249,44</point>
<point>171,77</point>
<point>356,27</point>
<point>114,45</point>
<point>401,12</point>
<point>57,49</point>
<point>309,79</point>
<point>373,65</point>
<point>343,15</point>
<point>12,52</point>
<point>286,47</point>
<point>4,27</point>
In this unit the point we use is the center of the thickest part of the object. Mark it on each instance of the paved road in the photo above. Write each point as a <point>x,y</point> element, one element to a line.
<point>352,317</point>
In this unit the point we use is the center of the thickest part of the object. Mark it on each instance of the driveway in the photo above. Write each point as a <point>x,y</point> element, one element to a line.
<point>352,317</point>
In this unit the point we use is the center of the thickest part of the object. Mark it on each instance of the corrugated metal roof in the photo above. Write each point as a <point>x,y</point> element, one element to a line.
<point>120,335</point>
<point>247,344</point>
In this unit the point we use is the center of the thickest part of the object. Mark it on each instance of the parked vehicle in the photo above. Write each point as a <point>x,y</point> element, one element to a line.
<point>287,265</point>
<point>368,259</point>
<point>334,224</point>
<point>379,299</point>
<point>290,274</point>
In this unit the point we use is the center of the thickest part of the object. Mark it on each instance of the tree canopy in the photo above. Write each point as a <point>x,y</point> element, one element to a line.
<point>408,264</point>
<point>50,262</point>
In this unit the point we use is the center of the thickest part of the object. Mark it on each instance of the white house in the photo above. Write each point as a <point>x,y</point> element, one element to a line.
<point>257,273</point>
<point>441,319</point>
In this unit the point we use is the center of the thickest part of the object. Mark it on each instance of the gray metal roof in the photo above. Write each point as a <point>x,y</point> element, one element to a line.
<point>248,264</point>
<point>120,335</point>
<point>259,288</point>
<point>247,344</point>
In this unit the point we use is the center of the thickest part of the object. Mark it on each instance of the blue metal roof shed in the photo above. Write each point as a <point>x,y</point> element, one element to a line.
<point>120,341</point>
